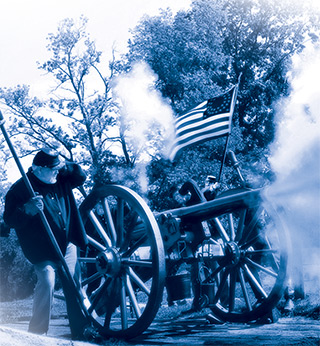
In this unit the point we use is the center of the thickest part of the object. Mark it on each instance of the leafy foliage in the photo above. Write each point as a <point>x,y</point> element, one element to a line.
<point>196,54</point>
<point>17,278</point>
<point>260,37</point>
<point>196,164</point>
<point>74,56</point>
<point>200,52</point>
<point>184,51</point>
<point>81,116</point>
<point>26,125</point>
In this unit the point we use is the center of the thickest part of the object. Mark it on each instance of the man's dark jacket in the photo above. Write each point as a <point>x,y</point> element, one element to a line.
<point>60,210</point>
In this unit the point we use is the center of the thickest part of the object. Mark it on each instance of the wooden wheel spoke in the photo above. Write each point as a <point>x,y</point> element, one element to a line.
<point>132,297</point>
<point>109,221</point>
<point>260,267</point>
<point>213,275</point>
<point>250,242</point>
<point>221,285</point>
<point>134,276</point>
<point>244,289</point>
<point>135,246</point>
<point>254,281</point>
<point>246,236</point>
<point>91,279</point>
<point>261,252</point>
<point>232,294</point>
<point>240,227</point>
<point>96,244</point>
<point>87,260</point>
<point>272,251</point>
<point>221,230</point>
<point>99,228</point>
<point>137,263</point>
<point>231,227</point>
<point>120,221</point>
<point>123,305</point>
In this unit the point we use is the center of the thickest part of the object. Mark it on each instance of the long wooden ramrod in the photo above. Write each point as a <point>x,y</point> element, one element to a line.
<point>43,218</point>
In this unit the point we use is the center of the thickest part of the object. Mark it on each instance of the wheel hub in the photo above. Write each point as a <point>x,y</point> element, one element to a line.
<point>108,262</point>
<point>232,253</point>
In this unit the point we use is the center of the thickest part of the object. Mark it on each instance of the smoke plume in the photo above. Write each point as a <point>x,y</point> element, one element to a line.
<point>146,118</point>
<point>296,161</point>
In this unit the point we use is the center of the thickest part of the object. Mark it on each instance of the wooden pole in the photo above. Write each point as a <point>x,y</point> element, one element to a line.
<point>224,157</point>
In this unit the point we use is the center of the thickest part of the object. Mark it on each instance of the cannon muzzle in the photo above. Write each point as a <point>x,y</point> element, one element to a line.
<point>232,158</point>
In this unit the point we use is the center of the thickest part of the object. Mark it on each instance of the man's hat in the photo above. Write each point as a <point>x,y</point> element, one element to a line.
<point>211,179</point>
<point>48,158</point>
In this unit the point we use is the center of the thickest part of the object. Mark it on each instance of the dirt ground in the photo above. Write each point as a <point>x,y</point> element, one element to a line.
<point>183,331</point>
<point>301,327</point>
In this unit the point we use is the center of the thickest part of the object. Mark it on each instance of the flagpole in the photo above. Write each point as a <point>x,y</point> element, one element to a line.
<point>228,135</point>
<point>224,157</point>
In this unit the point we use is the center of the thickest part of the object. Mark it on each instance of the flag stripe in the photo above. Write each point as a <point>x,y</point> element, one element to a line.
<point>224,130</point>
<point>198,125</point>
<point>211,130</point>
<point>195,113</point>
<point>209,119</point>
<point>200,108</point>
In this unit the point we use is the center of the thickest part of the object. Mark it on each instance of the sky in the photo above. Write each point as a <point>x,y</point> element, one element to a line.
<point>25,25</point>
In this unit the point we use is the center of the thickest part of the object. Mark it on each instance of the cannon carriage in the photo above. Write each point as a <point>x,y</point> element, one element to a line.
<point>236,246</point>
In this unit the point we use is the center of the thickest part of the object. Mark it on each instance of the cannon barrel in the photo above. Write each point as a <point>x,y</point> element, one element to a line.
<point>230,201</point>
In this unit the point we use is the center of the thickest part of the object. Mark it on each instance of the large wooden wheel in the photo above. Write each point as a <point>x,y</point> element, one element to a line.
<point>124,267</point>
<point>248,270</point>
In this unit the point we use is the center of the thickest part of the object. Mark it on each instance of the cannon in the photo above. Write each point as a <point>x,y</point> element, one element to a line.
<point>236,245</point>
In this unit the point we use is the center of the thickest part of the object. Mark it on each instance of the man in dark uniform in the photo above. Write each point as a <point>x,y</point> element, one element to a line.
<point>52,181</point>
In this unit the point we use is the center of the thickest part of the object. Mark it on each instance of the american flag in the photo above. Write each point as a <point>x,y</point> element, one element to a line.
<point>209,119</point>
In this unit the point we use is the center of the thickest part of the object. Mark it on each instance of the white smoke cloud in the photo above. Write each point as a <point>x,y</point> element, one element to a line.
<point>146,119</point>
<point>145,116</point>
<point>296,161</point>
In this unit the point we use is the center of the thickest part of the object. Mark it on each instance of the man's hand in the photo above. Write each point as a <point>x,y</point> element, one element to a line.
<point>34,205</point>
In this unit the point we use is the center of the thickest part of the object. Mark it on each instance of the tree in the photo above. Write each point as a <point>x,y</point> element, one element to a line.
<point>16,273</point>
<point>86,121</point>
<point>201,51</point>
<point>21,121</point>
<point>184,51</point>
<point>260,37</point>
<point>81,115</point>
<point>74,55</point>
